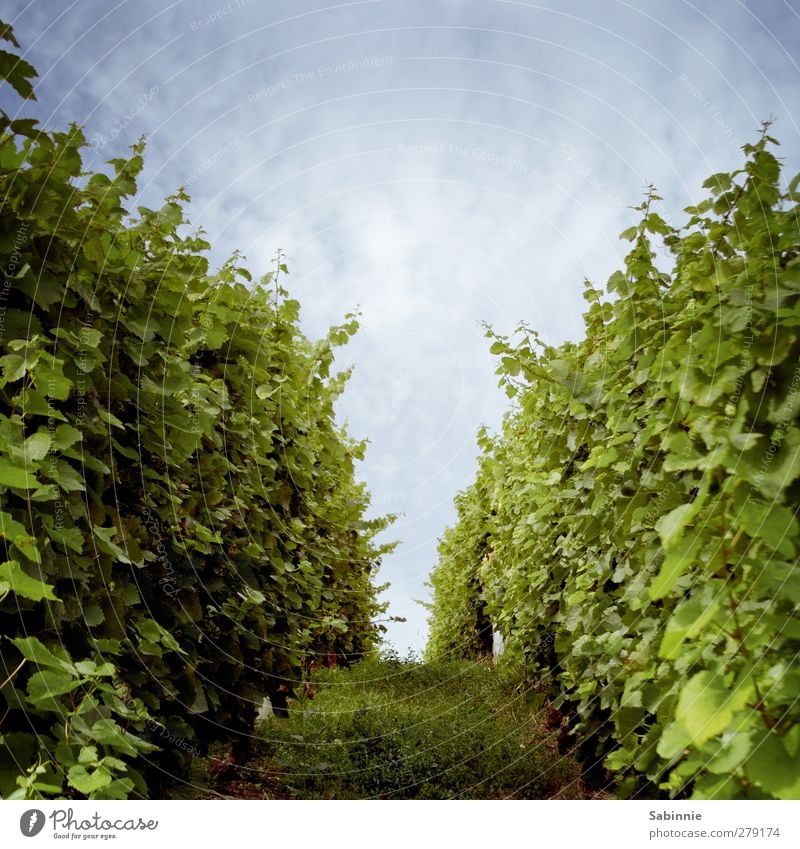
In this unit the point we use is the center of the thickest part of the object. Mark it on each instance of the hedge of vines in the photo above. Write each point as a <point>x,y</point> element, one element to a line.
<point>633,529</point>
<point>181,527</point>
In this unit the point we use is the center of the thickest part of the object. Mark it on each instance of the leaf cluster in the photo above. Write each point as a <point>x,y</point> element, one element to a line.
<point>181,526</point>
<point>634,527</point>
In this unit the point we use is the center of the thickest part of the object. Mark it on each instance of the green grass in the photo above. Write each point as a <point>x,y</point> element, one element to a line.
<point>400,729</point>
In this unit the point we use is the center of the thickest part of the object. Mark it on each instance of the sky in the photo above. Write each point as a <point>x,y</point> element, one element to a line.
<point>436,163</point>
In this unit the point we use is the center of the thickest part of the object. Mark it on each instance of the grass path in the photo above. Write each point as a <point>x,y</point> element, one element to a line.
<point>399,729</point>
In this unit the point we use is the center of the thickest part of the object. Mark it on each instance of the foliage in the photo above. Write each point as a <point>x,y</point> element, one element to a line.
<point>644,494</point>
<point>401,729</point>
<point>460,634</point>
<point>181,525</point>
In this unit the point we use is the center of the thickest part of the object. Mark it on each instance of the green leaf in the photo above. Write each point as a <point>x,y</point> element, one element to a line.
<point>48,684</point>
<point>107,732</point>
<point>676,561</point>
<point>730,754</point>
<point>772,473</point>
<point>105,543</point>
<point>155,634</point>
<point>34,650</point>
<point>773,523</point>
<point>775,580</point>
<point>29,547</point>
<point>88,782</point>
<point>14,367</point>
<point>670,527</point>
<point>67,477</point>
<point>16,477</point>
<point>18,73</point>
<point>54,384</point>
<point>90,338</point>
<point>48,492</point>
<point>109,418</point>
<point>17,533</point>
<point>88,755</point>
<point>772,768</point>
<point>71,538</point>
<point>23,585</point>
<point>7,33</point>
<point>66,436</point>
<point>673,742</point>
<point>37,447</point>
<point>688,620</point>
<point>718,183</point>
<point>510,366</point>
<point>707,705</point>
<point>93,615</point>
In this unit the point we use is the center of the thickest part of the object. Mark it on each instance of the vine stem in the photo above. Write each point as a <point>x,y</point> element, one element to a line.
<point>21,664</point>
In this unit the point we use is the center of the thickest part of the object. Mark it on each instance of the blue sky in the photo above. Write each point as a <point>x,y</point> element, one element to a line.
<point>437,162</point>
